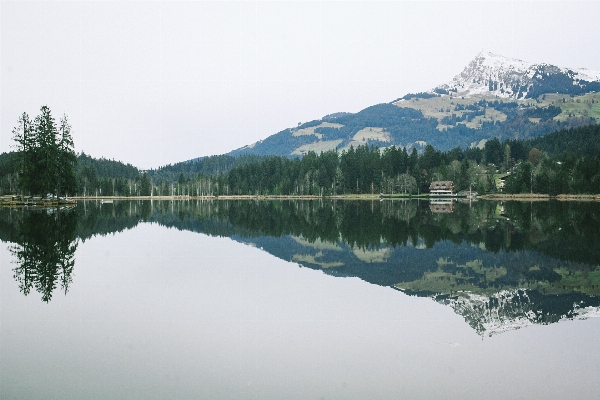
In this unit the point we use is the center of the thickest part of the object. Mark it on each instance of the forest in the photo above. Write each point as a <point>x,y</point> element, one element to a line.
<point>566,161</point>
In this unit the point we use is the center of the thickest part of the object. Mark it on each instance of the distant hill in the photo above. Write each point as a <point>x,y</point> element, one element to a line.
<point>493,97</point>
<point>206,166</point>
<point>105,168</point>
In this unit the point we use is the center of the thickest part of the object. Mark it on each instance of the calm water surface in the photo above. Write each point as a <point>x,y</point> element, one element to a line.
<point>300,300</point>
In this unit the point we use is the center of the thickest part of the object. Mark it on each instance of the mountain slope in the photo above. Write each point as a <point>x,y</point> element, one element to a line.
<point>493,97</point>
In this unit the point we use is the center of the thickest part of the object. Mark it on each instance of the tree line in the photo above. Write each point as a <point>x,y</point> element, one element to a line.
<point>565,161</point>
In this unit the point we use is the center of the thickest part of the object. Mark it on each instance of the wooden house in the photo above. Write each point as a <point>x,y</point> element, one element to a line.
<point>442,189</point>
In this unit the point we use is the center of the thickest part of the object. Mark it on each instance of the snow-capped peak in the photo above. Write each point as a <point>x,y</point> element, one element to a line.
<point>496,75</point>
<point>496,61</point>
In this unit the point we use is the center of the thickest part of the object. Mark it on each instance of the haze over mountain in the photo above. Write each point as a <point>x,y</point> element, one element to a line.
<point>494,96</point>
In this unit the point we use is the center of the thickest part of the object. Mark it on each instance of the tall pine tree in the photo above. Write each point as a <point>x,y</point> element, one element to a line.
<point>66,181</point>
<point>47,156</point>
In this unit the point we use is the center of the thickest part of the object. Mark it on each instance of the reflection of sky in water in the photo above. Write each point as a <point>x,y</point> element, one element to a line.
<point>158,313</point>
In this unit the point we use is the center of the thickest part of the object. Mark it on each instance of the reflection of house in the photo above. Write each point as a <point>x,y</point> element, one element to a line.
<point>501,183</point>
<point>441,188</point>
<point>441,206</point>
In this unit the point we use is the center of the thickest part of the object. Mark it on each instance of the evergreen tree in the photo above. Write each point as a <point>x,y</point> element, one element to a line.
<point>66,182</point>
<point>23,136</point>
<point>493,153</point>
<point>146,185</point>
<point>45,153</point>
<point>46,156</point>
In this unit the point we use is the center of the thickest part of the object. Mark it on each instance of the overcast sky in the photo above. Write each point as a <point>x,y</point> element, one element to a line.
<point>152,83</point>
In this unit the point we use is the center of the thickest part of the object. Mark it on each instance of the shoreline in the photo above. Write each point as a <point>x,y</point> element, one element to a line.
<point>497,196</point>
<point>529,197</point>
<point>540,197</point>
<point>233,197</point>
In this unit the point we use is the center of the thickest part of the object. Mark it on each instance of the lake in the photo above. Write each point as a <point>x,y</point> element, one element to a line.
<point>301,300</point>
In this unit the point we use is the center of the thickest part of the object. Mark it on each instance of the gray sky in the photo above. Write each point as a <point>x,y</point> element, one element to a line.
<point>152,83</point>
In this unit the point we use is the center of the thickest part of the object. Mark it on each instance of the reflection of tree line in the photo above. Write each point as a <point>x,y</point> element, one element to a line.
<point>95,218</point>
<point>45,251</point>
<point>563,230</point>
<point>45,242</point>
<point>361,224</point>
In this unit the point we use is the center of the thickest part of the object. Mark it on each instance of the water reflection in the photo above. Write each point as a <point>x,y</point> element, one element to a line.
<point>44,250</point>
<point>500,266</point>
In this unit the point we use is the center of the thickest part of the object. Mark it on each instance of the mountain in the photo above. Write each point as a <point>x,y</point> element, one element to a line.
<point>509,78</point>
<point>493,97</point>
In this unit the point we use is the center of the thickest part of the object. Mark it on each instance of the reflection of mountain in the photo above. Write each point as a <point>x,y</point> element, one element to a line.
<point>513,309</point>
<point>369,256</point>
<point>499,266</point>
<point>494,292</point>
